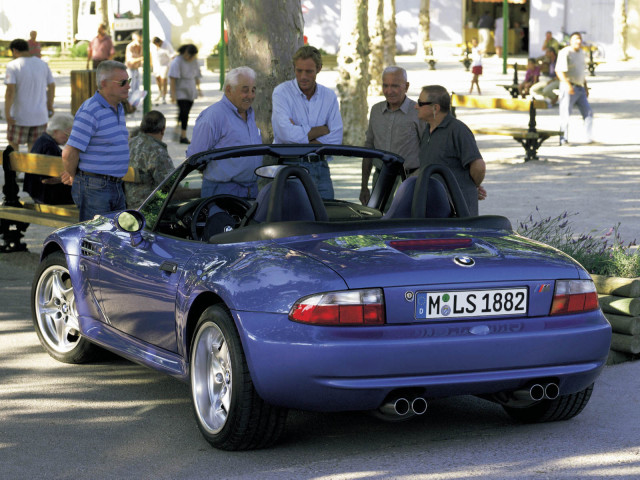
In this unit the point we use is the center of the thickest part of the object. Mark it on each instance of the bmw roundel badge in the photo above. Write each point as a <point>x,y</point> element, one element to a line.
<point>464,261</point>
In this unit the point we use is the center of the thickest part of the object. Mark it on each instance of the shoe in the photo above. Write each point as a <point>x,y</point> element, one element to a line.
<point>185,140</point>
<point>564,142</point>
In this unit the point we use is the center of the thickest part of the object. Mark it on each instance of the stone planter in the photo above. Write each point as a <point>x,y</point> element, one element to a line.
<point>620,301</point>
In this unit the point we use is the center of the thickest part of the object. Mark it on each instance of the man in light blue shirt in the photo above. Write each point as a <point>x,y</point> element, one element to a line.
<point>306,112</point>
<point>96,156</point>
<point>228,123</point>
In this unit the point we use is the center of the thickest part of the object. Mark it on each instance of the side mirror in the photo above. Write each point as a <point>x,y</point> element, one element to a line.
<point>132,222</point>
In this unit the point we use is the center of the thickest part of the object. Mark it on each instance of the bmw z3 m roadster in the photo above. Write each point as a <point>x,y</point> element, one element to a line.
<point>290,300</point>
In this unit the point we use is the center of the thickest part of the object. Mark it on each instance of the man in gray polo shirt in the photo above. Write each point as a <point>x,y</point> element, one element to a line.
<point>448,141</point>
<point>394,126</point>
<point>570,69</point>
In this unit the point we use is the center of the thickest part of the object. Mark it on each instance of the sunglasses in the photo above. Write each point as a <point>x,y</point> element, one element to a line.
<point>422,104</point>
<point>122,83</point>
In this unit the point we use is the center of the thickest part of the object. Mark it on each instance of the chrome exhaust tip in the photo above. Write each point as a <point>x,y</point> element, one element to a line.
<point>398,407</point>
<point>536,392</point>
<point>419,406</point>
<point>551,391</point>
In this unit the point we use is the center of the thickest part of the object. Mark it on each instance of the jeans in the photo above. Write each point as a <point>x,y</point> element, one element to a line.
<point>320,174</point>
<point>94,195</point>
<point>134,75</point>
<point>567,101</point>
<point>244,190</point>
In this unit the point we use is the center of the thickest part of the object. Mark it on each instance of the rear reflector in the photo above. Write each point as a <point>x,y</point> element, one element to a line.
<point>574,296</point>
<point>351,307</point>
<point>428,244</point>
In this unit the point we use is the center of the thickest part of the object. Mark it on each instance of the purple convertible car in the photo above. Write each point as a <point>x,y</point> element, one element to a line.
<point>294,301</point>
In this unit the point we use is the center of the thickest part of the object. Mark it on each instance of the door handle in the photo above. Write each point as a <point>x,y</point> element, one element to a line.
<point>169,267</point>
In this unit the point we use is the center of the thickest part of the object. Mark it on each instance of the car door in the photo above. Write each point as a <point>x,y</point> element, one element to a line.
<point>138,284</point>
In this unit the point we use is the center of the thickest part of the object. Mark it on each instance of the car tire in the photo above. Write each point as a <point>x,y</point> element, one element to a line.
<point>54,313</point>
<point>229,412</point>
<point>562,408</point>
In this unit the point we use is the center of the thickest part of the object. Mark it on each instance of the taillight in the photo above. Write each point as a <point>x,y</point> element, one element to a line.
<point>351,307</point>
<point>574,296</point>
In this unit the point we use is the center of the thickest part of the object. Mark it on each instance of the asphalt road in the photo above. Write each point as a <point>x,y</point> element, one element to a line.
<point>114,419</point>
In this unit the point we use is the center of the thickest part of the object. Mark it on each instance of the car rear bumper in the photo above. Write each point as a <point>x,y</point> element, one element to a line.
<point>356,368</point>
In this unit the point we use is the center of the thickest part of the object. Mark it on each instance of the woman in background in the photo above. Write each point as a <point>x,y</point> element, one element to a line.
<point>184,84</point>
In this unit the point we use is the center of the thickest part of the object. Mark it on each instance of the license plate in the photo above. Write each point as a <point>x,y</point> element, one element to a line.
<point>471,303</point>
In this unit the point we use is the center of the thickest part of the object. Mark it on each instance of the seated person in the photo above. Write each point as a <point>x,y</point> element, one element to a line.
<point>44,189</point>
<point>149,158</point>
<point>530,77</point>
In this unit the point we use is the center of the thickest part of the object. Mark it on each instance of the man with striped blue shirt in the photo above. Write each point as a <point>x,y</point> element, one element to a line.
<point>96,156</point>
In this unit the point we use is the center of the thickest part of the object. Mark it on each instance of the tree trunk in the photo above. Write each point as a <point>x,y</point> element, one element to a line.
<point>104,12</point>
<point>353,69</point>
<point>424,24</point>
<point>390,32</point>
<point>264,35</point>
<point>621,29</point>
<point>376,37</point>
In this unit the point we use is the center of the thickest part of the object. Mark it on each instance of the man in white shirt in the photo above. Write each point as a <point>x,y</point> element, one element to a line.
<point>306,112</point>
<point>28,97</point>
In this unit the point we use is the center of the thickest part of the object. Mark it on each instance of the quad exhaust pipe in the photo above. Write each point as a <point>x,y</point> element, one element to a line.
<point>402,407</point>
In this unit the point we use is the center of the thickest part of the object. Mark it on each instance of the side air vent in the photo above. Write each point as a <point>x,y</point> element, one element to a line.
<point>90,249</point>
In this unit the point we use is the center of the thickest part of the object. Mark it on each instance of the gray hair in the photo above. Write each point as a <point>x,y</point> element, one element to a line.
<point>438,94</point>
<point>60,121</point>
<point>393,69</point>
<point>233,76</point>
<point>105,70</point>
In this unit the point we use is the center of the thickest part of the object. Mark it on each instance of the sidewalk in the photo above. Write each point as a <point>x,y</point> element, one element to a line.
<point>600,182</point>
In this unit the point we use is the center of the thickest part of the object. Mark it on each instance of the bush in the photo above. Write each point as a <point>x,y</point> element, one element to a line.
<point>603,254</point>
<point>80,49</point>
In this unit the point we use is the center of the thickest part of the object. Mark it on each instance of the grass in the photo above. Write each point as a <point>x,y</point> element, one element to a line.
<point>599,253</point>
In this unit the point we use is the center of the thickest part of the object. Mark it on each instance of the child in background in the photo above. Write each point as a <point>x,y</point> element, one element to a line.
<point>531,77</point>
<point>476,64</point>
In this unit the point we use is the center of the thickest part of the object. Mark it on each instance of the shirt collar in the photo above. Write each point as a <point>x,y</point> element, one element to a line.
<point>300,92</point>
<point>227,103</point>
<point>406,105</point>
<point>103,101</point>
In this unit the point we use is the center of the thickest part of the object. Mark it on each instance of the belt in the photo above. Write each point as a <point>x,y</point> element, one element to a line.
<point>108,178</point>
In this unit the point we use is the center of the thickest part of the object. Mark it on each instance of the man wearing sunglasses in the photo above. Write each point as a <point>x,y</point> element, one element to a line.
<point>96,156</point>
<point>448,141</point>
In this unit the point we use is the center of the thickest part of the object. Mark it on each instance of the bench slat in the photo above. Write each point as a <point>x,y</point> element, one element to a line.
<point>30,216</point>
<point>515,132</point>
<point>478,101</point>
<point>46,165</point>
<point>62,210</point>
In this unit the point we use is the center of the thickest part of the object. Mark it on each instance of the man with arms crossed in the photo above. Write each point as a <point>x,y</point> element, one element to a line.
<point>307,112</point>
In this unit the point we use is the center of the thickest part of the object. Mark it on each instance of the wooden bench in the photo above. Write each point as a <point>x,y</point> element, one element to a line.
<point>16,214</point>
<point>530,138</point>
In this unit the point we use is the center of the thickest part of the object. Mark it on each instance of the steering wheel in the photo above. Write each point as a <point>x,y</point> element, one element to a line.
<point>217,214</point>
